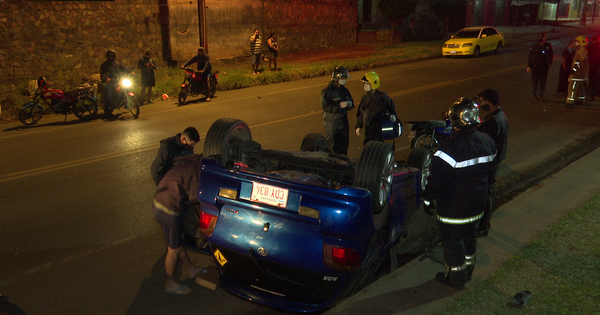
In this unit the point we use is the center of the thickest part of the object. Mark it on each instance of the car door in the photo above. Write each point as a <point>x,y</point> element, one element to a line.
<point>490,39</point>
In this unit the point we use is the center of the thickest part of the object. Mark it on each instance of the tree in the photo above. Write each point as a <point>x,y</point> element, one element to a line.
<point>445,9</point>
<point>396,10</point>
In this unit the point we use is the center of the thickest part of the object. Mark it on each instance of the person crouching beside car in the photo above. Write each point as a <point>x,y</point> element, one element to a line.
<point>176,193</point>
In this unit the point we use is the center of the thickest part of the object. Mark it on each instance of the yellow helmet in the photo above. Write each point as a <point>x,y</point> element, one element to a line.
<point>582,40</point>
<point>372,78</point>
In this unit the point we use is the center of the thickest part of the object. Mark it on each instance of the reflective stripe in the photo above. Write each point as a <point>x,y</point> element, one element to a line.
<point>469,260</point>
<point>459,221</point>
<point>458,268</point>
<point>164,209</point>
<point>471,162</point>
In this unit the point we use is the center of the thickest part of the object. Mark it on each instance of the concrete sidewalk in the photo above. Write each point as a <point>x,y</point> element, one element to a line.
<point>411,289</point>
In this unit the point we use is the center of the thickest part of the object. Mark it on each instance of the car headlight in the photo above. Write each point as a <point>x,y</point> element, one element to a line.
<point>126,82</point>
<point>467,44</point>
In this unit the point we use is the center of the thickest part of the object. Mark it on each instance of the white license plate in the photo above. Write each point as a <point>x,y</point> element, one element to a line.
<point>270,195</point>
<point>453,51</point>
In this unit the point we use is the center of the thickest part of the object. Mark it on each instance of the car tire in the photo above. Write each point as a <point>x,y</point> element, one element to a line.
<point>420,158</point>
<point>374,172</point>
<point>314,142</point>
<point>221,139</point>
<point>425,140</point>
<point>498,48</point>
<point>476,52</point>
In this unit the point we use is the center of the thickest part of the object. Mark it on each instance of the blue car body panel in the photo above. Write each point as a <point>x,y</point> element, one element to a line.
<point>274,255</point>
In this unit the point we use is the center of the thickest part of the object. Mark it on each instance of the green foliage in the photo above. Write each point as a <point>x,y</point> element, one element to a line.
<point>560,268</point>
<point>397,10</point>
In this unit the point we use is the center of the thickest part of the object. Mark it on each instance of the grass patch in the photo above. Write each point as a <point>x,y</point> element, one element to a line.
<point>561,268</point>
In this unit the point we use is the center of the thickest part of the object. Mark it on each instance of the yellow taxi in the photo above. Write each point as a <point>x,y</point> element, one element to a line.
<point>472,41</point>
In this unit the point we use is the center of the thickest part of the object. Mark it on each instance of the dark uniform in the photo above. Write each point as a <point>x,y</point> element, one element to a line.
<point>170,148</point>
<point>372,106</point>
<point>460,173</point>
<point>335,118</point>
<point>540,59</point>
<point>495,125</point>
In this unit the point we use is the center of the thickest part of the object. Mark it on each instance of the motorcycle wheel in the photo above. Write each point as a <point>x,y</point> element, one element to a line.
<point>182,97</point>
<point>86,108</point>
<point>31,113</point>
<point>213,87</point>
<point>424,140</point>
<point>133,105</point>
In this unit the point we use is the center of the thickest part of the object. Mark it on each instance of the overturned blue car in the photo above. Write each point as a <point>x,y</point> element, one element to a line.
<point>302,230</point>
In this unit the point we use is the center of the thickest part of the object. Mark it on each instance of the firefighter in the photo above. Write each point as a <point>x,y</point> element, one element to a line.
<point>373,105</point>
<point>336,101</point>
<point>460,173</point>
<point>579,73</point>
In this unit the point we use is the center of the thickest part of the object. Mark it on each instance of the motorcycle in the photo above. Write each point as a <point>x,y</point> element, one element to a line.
<point>81,102</point>
<point>123,97</point>
<point>194,83</point>
<point>429,133</point>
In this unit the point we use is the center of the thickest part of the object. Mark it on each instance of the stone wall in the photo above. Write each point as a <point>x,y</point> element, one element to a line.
<point>43,37</point>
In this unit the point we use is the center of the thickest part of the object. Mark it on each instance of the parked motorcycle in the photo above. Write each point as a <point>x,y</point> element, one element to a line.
<point>429,133</point>
<point>124,97</point>
<point>194,83</point>
<point>81,102</point>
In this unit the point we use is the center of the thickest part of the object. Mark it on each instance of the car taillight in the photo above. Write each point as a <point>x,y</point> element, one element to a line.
<point>340,258</point>
<point>207,223</point>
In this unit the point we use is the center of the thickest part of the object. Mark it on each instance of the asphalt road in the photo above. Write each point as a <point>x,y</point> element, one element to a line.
<point>77,232</point>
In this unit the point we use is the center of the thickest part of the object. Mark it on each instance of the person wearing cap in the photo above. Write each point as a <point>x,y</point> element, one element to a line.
<point>495,124</point>
<point>203,64</point>
<point>373,105</point>
<point>458,180</point>
<point>146,65</point>
<point>579,74</point>
<point>539,61</point>
<point>336,101</point>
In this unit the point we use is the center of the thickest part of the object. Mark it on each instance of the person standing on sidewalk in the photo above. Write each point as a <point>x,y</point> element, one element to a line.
<point>147,66</point>
<point>336,101</point>
<point>594,58</point>
<point>565,67</point>
<point>373,105</point>
<point>460,172</point>
<point>495,124</point>
<point>255,50</point>
<point>540,59</point>
<point>579,74</point>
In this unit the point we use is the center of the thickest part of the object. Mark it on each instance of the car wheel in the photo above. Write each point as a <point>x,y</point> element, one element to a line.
<point>420,158</point>
<point>374,172</point>
<point>498,48</point>
<point>222,137</point>
<point>476,52</point>
<point>314,142</point>
<point>424,140</point>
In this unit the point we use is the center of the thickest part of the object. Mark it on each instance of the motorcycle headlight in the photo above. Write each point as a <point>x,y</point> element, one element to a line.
<point>126,82</point>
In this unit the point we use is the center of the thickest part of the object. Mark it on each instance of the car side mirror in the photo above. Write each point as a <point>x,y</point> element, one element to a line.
<point>483,35</point>
<point>451,36</point>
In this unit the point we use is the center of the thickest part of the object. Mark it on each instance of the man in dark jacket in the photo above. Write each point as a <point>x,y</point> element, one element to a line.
<point>110,72</point>
<point>495,124</point>
<point>203,65</point>
<point>336,101</point>
<point>460,173</point>
<point>181,144</point>
<point>175,194</point>
<point>372,107</point>
<point>540,58</point>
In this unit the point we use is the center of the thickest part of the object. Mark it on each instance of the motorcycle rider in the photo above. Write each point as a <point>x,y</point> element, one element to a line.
<point>110,71</point>
<point>336,101</point>
<point>371,108</point>
<point>460,172</point>
<point>204,66</point>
